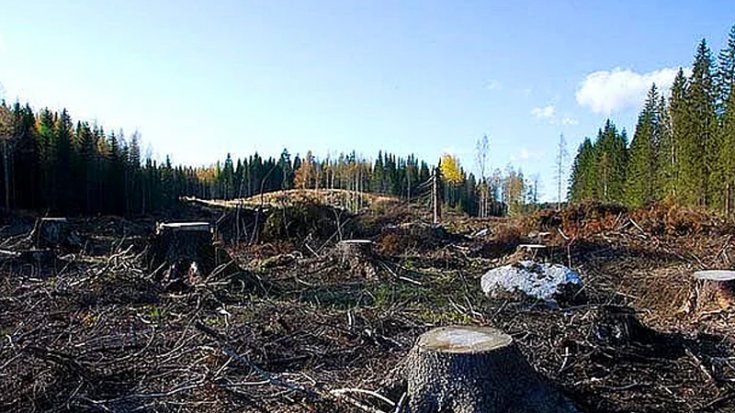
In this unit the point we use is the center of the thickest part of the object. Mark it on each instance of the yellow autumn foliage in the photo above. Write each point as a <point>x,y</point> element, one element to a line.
<point>451,169</point>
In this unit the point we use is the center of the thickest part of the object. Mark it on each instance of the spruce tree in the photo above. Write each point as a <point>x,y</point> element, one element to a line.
<point>642,167</point>
<point>725,76</point>
<point>666,176</point>
<point>725,172</point>
<point>700,151</point>
<point>582,179</point>
<point>611,162</point>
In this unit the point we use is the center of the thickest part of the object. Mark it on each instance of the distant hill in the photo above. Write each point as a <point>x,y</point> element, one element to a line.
<point>335,197</point>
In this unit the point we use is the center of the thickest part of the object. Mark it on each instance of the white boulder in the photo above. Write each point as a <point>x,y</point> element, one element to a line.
<point>545,282</point>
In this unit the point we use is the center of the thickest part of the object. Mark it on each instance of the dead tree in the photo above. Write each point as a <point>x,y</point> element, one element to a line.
<point>465,369</point>
<point>186,250</point>
<point>714,289</point>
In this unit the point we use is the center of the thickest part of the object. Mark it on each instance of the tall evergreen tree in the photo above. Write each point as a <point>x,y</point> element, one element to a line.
<point>725,75</point>
<point>582,180</point>
<point>611,160</point>
<point>642,169</point>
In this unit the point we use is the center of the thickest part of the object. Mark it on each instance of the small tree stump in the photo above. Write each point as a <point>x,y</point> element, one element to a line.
<point>715,289</point>
<point>357,255</point>
<point>465,369</point>
<point>186,248</point>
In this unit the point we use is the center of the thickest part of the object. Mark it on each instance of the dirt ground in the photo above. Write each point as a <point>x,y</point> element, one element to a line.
<point>290,321</point>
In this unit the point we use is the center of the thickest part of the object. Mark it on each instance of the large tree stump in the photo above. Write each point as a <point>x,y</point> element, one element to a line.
<point>714,290</point>
<point>52,232</point>
<point>186,249</point>
<point>357,256</point>
<point>475,370</point>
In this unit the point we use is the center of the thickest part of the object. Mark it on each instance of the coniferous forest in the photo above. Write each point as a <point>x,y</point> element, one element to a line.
<point>683,148</point>
<point>51,163</point>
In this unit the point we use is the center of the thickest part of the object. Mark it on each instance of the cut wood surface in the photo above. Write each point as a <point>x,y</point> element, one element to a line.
<point>466,369</point>
<point>714,290</point>
<point>183,226</point>
<point>715,275</point>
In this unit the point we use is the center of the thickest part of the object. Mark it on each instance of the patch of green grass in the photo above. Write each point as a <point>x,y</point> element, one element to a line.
<point>155,314</point>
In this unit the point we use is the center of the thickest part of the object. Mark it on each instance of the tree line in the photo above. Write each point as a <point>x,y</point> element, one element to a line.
<point>51,163</point>
<point>683,147</point>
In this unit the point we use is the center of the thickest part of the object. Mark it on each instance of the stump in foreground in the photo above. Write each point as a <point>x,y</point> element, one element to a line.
<point>715,289</point>
<point>475,370</point>
<point>186,248</point>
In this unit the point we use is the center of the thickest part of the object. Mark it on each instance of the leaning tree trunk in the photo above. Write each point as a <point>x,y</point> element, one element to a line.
<point>475,370</point>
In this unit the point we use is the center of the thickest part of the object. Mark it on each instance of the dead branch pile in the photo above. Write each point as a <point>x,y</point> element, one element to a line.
<point>295,332</point>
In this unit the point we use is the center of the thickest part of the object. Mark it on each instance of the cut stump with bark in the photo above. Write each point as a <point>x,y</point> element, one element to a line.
<point>187,251</point>
<point>52,232</point>
<point>466,369</point>
<point>715,289</point>
<point>357,255</point>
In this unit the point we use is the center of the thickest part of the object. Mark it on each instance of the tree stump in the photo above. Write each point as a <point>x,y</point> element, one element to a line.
<point>715,289</point>
<point>51,232</point>
<point>465,369</point>
<point>187,249</point>
<point>357,255</point>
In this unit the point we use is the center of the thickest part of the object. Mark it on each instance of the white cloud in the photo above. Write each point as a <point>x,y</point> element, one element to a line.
<point>546,112</point>
<point>567,121</point>
<point>605,92</point>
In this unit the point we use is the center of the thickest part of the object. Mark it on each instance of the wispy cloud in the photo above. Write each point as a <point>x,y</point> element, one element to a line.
<point>609,91</point>
<point>493,84</point>
<point>545,112</point>
<point>524,154</point>
<point>549,114</point>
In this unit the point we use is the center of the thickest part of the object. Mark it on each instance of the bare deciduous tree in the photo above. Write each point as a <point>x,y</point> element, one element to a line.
<point>561,158</point>
<point>481,154</point>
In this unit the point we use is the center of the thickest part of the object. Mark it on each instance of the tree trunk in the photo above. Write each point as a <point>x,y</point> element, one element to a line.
<point>467,369</point>
<point>7,174</point>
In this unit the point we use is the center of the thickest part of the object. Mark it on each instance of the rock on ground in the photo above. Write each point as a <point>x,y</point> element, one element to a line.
<point>540,281</point>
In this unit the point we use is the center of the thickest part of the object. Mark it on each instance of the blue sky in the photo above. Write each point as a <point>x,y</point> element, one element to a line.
<point>199,79</point>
